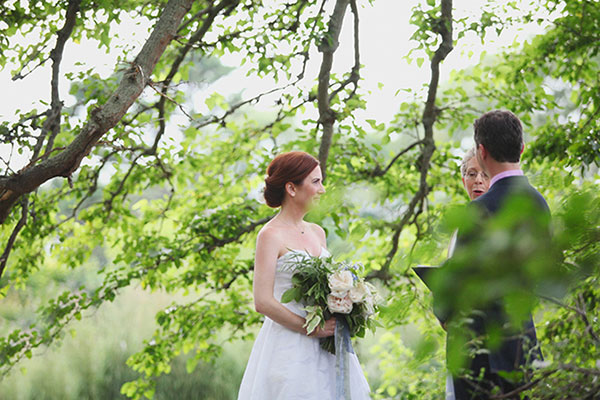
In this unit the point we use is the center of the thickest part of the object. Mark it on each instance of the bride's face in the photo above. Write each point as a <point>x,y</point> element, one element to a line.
<point>311,188</point>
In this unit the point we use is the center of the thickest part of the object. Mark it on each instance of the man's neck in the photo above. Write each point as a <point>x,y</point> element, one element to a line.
<point>494,168</point>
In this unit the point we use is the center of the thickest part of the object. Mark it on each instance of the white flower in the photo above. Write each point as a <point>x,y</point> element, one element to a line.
<point>341,281</point>
<point>341,295</point>
<point>342,305</point>
<point>359,292</point>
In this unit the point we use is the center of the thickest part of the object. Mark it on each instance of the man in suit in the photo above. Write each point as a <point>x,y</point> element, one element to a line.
<point>499,144</point>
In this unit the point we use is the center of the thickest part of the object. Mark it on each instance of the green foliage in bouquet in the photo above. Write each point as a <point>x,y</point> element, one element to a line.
<point>327,289</point>
<point>309,282</point>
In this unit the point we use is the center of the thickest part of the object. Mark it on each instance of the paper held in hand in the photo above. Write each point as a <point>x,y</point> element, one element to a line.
<point>423,272</point>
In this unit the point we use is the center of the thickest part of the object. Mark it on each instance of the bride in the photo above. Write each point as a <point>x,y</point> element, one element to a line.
<point>286,363</point>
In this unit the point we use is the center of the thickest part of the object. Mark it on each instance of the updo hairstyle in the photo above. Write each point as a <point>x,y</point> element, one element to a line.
<point>293,167</point>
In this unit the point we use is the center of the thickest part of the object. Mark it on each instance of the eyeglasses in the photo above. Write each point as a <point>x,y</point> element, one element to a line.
<point>472,175</point>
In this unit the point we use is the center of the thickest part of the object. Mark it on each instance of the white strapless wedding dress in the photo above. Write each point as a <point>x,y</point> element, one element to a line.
<point>287,365</point>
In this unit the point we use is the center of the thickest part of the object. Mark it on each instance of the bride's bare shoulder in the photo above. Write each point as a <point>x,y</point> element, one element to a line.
<point>319,231</point>
<point>270,232</point>
<point>269,242</point>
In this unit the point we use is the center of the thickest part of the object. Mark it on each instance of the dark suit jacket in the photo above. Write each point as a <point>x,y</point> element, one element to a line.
<point>493,200</point>
<point>513,350</point>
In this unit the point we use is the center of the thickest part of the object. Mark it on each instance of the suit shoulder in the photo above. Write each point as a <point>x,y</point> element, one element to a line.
<point>533,193</point>
<point>484,202</point>
<point>540,199</point>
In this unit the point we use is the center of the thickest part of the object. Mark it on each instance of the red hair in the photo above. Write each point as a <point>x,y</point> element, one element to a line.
<point>293,167</point>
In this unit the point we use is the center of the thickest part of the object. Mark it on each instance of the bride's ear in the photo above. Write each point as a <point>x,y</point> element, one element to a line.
<point>290,189</point>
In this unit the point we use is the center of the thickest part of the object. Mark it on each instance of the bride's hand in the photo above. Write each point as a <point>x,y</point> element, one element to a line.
<point>327,330</point>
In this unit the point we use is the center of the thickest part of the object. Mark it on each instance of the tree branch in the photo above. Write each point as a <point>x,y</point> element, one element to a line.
<point>197,37</point>
<point>14,234</point>
<point>221,120</point>
<point>580,301</point>
<point>328,46</point>
<point>354,76</point>
<point>311,35</point>
<point>377,171</point>
<point>443,27</point>
<point>52,122</point>
<point>195,17</point>
<point>564,367</point>
<point>21,75</point>
<point>528,385</point>
<point>192,43</point>
<point>580,311</point>
<point>102,118</point>
<point>11,352</point>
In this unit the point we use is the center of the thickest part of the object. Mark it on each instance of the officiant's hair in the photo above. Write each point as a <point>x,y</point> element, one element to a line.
<point>501,133</point>
<point>293,167</point>
<point>463,165</point>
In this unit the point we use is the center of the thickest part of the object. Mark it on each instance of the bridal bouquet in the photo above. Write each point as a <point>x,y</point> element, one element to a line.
<point>327,288</point>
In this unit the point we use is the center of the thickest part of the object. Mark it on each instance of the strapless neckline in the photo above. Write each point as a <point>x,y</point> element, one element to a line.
<point>302,251</point>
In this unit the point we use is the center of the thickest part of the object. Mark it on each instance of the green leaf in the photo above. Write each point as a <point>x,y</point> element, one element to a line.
<point>215,100</point>
<point>290,295</point>
<point>190,364</point>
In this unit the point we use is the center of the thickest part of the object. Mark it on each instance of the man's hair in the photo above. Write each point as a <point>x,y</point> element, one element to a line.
<point>501,133</point>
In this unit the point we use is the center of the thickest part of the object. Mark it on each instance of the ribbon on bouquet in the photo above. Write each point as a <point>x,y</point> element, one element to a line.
<point>343,349</point>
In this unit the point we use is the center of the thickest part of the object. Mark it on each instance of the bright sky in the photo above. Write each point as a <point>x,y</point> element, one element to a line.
<point>384,37</point>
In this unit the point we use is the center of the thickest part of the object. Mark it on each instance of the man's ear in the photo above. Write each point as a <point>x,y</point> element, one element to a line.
<point>463,180</point>
<point>482,151</point>
<point>522,148</point>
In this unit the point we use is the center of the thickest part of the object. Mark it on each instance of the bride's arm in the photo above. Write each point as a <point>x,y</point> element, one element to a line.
<point>265,262</point>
